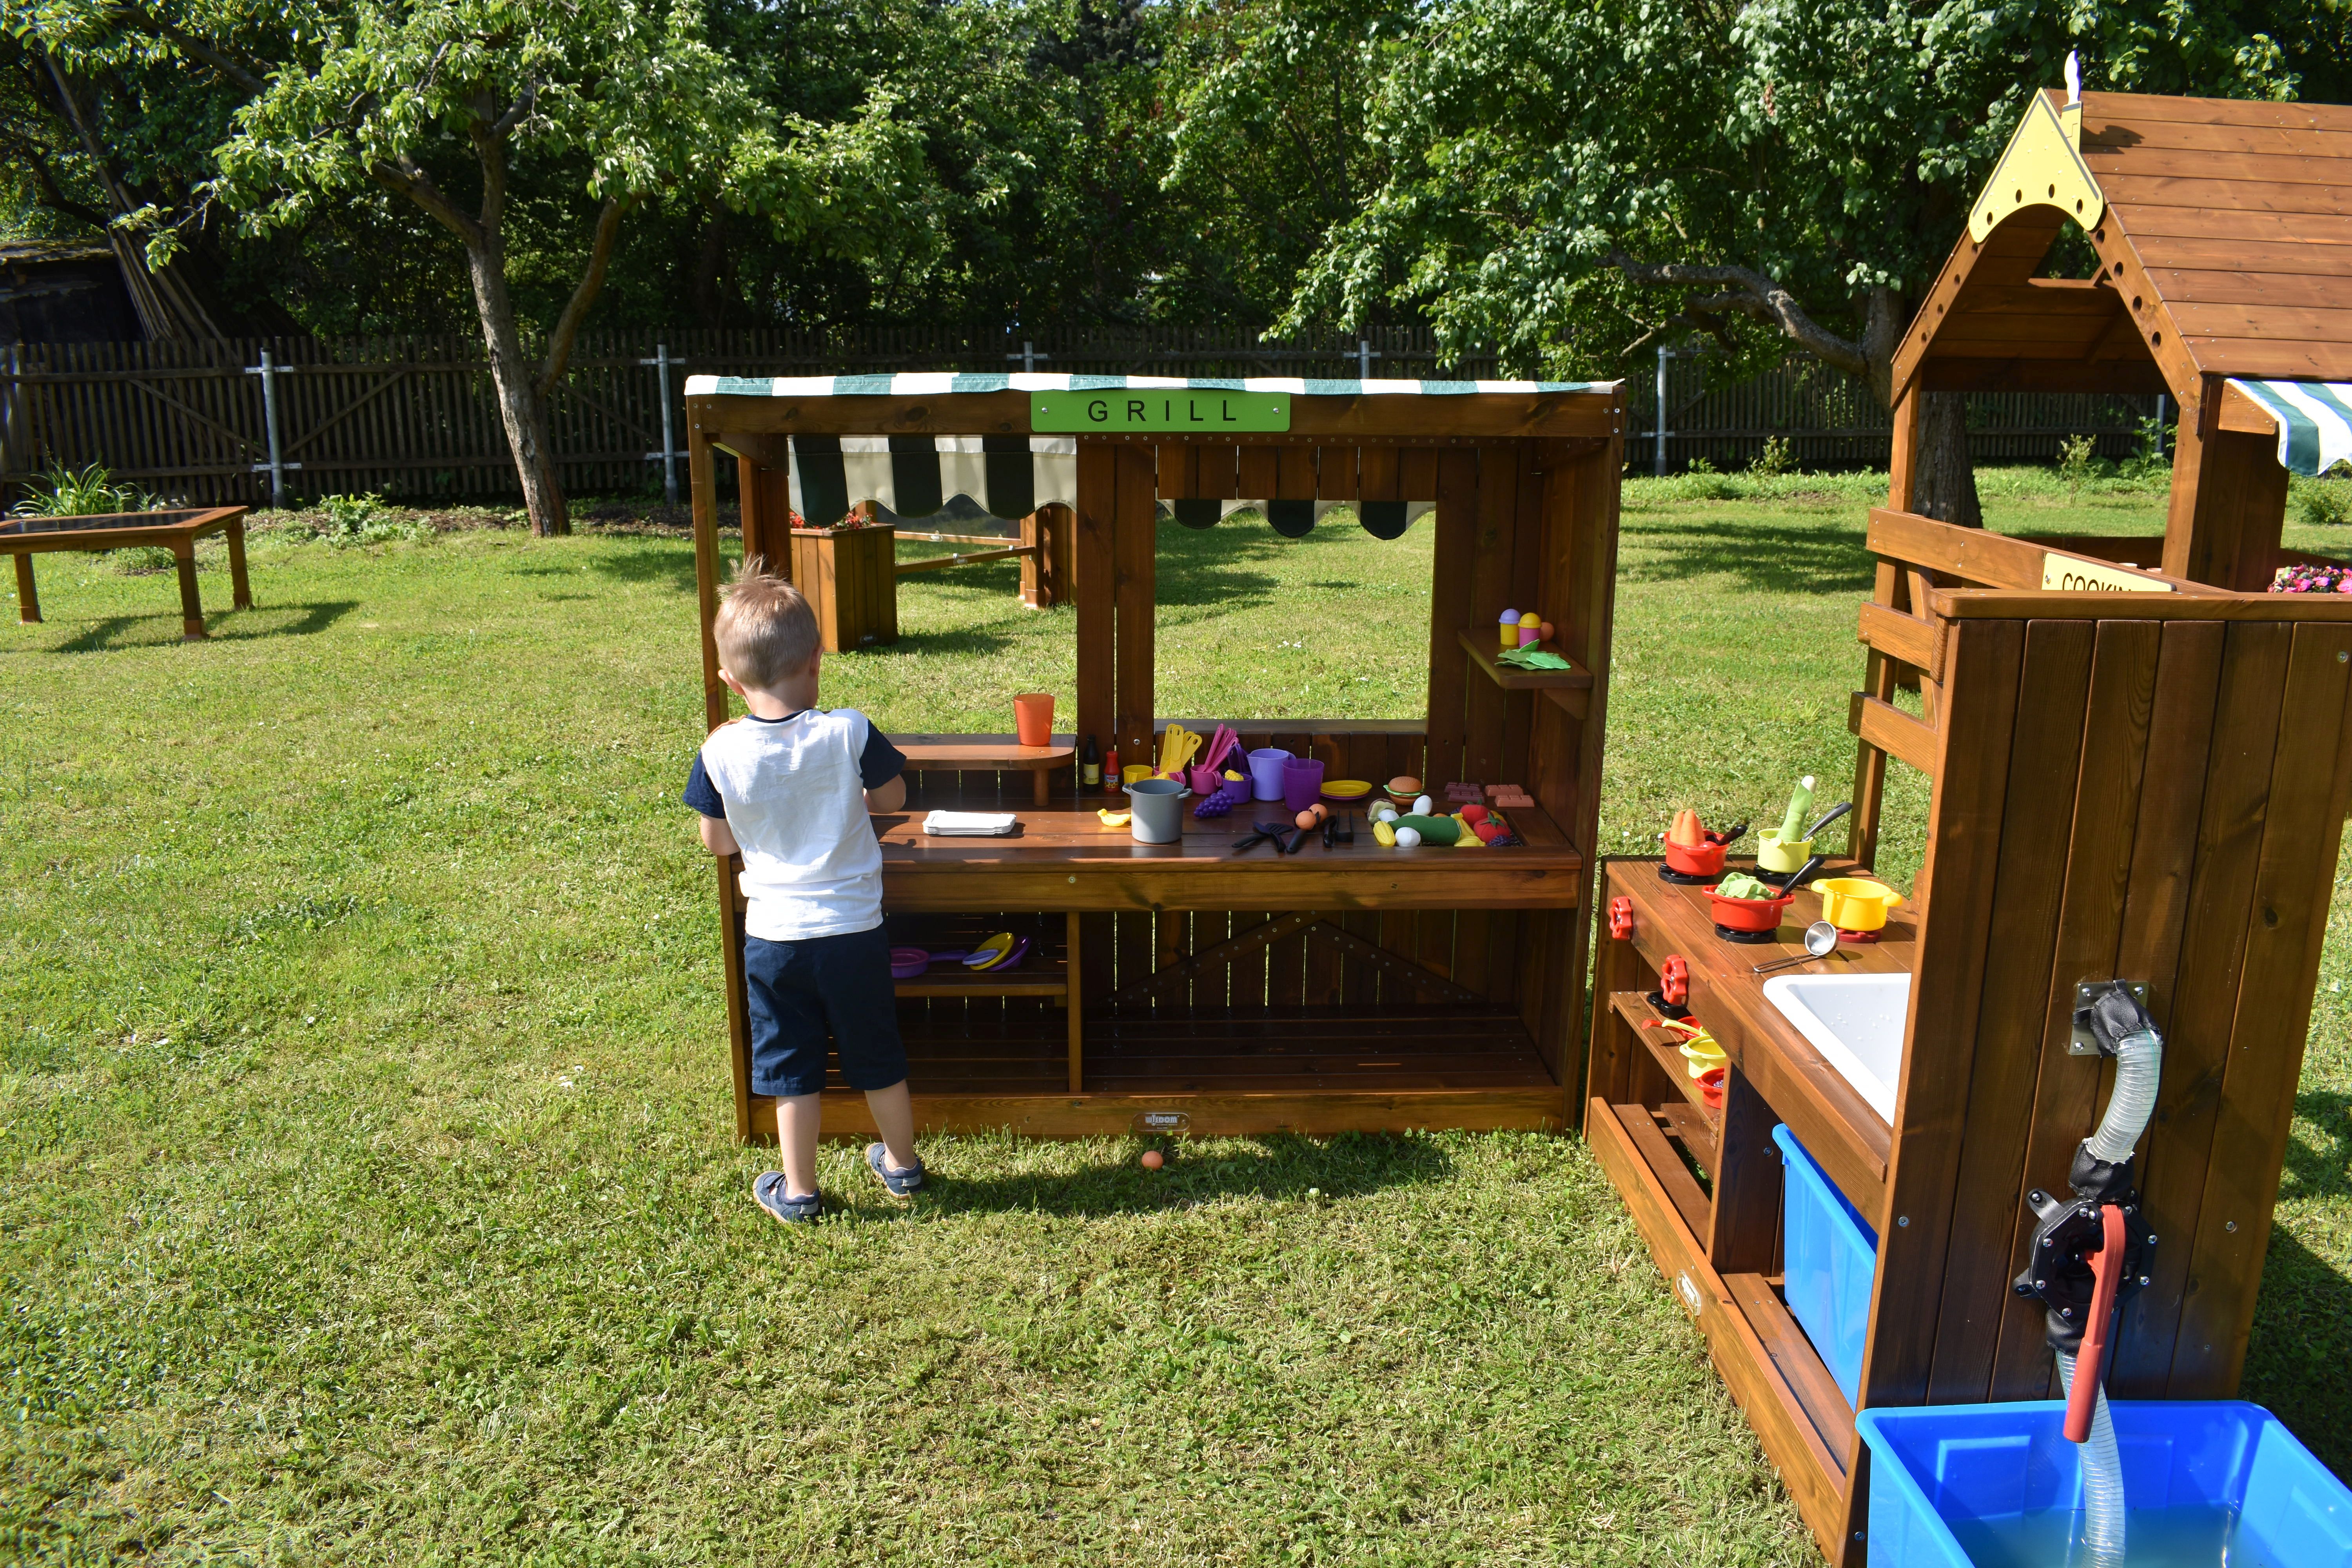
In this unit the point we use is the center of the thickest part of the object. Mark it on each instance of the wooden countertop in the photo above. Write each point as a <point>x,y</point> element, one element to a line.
<point>1834,1123</point>
<point>1064,858</point>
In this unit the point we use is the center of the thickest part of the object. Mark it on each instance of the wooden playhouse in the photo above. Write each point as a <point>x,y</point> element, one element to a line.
<point>1195,986</point>
<point>2140,772</point>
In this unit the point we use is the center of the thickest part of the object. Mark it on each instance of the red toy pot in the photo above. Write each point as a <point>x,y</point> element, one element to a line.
<point>1705,860</point>
<point>1749,914</point>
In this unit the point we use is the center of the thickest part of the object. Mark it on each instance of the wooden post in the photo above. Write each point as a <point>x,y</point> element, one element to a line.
<point>2229,501</point>
<point>702,474</point>
<point>28,601</point>
<point>240,586</point>
<point>1134,590</point>
<point>1077,1001</point>
<point>1097,503</point>
<point>192,608</point>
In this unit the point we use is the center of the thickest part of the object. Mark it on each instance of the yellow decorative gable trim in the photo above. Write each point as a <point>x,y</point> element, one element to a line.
<point>2042,167</point>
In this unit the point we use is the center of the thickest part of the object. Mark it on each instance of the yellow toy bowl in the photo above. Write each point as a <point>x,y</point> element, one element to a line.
<point>1772,854</point>
<point>1856,903</point>
<point>1703,1054</point>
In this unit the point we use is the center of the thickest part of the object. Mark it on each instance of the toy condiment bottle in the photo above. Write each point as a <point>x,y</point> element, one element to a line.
<point>1110,772</point>
<point>1510,629</point>
<point>1089,765</point>
<point>1530,629</point>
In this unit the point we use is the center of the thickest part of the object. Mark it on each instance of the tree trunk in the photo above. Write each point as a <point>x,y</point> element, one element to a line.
<point>513,375</point>
<point>1944,480</point>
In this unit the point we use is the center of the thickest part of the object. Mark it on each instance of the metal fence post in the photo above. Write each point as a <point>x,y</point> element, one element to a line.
<point>669,444</point>
<point>1365,355</point>
<point>268,371</point>
<point>1658,420</point>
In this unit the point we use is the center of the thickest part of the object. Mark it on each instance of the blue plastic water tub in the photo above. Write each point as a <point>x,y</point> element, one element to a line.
<point>1829,1258</point>
<point>1940,1472</point>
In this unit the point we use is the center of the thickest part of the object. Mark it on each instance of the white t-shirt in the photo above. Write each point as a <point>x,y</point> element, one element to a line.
<point>795,800</point>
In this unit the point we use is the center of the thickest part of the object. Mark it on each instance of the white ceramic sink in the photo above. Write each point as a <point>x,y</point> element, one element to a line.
<point>1856,1021</point>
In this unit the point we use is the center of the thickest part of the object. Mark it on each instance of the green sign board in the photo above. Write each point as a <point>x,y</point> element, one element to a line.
<point>1181,411</point>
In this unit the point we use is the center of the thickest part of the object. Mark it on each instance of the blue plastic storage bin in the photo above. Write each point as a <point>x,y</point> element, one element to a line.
<point>1944,1475</point>
<point>1829,1256</point>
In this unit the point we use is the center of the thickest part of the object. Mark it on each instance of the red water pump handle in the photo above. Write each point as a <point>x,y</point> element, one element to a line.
<point>2090,1361</point>
<point>1674,982</point>
<point>1621,918</point>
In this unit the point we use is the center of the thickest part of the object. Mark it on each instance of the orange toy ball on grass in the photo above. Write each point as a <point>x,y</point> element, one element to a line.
<point>1153,1158</point>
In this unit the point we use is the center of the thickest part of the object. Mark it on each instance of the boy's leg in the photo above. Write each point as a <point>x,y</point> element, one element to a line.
<point>796,1141</point>
<point>788,1052</point>
<point>894,1118</point>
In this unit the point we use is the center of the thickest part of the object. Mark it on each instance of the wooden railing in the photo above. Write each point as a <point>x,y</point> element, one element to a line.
<point>1917,556</point>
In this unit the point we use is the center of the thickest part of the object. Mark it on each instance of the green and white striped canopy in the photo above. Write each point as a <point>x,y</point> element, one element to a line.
<point>2315,421</point>
<point>937,384</point>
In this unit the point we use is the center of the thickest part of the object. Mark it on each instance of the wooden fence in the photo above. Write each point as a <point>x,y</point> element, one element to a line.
<point>415,417</point>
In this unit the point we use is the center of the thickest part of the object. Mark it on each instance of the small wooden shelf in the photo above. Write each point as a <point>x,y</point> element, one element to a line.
<point>1569,688</point>
<point>1034,978</point>
<point>1635,1009</point>
<point>990,754</point>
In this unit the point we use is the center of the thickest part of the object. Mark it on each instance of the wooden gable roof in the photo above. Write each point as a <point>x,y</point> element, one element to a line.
<point>2224,233</point>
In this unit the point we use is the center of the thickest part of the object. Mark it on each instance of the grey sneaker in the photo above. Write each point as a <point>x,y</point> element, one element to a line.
<point>902,1184</point>
<point>770,1188</point>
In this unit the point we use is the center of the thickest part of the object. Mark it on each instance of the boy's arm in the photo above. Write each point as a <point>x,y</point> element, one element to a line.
<point>703,795</point>
<point>882,769</point>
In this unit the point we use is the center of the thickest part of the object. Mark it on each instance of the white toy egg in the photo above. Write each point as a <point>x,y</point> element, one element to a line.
<point>1408,838</point>
<point>1421,805</point>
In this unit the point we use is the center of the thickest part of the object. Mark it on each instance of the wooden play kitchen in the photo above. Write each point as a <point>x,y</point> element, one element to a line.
<point>2139,774</point>
<point>177,531</point>
<point>1217,984</point>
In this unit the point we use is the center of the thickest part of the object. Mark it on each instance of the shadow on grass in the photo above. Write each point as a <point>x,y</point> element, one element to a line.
<point>963,640</point>
<point>1281,1167</point>
<point>2299,1356</point>
<point>1781,558</point>
<point>668,565</point>
<point>118,632</point>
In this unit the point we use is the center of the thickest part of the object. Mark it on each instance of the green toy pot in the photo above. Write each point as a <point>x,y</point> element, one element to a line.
<point>1772,854</point>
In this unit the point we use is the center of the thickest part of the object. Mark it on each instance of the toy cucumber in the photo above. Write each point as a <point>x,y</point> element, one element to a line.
<point>1800,801</point>
<point>1432,829</point>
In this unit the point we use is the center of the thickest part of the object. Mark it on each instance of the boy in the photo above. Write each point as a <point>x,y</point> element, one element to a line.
<point>789,787</point>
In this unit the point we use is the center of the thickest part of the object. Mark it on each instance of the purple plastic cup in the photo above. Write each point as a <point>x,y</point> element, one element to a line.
<point>1266,772</point>
<point>1302,782</point>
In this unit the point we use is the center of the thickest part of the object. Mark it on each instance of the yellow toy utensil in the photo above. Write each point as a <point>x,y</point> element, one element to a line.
<point>1177,748</point>
<point>1114,819</point>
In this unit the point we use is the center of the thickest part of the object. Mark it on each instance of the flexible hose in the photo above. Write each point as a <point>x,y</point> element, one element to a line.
<point>2139,1060</point>
<point>2103,1478</point>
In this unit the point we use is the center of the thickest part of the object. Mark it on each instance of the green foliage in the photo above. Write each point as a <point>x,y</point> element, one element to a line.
<point>2323,502</point>
<point>348,520</point>
<point>2149,461</point>
<point>1774,460</point>
<point>91,491</point>
<point>2078,461</point>
<point>1830,148</point>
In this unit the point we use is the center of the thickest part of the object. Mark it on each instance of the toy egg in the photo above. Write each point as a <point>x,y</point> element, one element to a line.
<point>1422,806</point>
<point>1407,837</point>
<point>1510,629</point>
<point>1545,631</point>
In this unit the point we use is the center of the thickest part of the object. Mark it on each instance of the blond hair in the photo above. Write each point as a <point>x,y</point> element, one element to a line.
<point>765,630</point>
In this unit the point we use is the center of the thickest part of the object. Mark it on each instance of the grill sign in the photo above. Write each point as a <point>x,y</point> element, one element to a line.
<point>1115,411</point>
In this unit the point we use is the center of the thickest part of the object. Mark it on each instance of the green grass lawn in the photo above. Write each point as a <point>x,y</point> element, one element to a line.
<point>370,1188</point>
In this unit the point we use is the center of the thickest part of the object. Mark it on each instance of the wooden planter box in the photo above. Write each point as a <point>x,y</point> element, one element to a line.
<point>851,578</point>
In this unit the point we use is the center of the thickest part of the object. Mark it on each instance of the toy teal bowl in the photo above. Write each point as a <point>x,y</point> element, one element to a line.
<point>1772,854</point>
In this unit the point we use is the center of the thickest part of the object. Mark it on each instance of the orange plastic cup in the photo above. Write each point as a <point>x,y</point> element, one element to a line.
<point>1032,718</point>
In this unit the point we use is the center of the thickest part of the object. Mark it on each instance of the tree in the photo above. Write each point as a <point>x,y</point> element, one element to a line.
<point>1572,183</point>
<point>465,110</point>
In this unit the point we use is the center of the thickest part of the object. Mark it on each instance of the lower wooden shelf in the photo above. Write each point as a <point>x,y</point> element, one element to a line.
<point>1034,979</point>
<point>1766,1361</point>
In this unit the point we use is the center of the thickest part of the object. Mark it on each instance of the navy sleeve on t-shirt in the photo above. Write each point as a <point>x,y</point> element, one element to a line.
<point>701,793</point>
<point>880,761</point>
<point>878,764</point>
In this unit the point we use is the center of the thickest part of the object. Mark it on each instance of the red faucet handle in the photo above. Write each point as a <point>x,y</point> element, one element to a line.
<point>1621,918</point>
<point>2090,1368</point>
<point>1674,980</point>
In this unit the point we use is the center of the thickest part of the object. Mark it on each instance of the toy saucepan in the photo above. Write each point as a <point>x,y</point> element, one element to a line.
<point>1856,903</point>
<point>1704,858</point>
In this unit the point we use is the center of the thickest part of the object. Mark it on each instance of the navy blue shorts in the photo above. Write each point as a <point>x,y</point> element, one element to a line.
<point>828,990</point>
